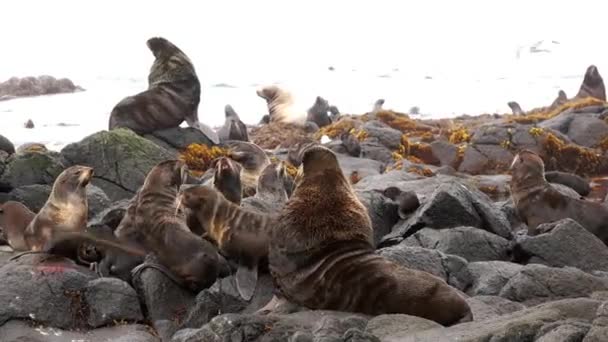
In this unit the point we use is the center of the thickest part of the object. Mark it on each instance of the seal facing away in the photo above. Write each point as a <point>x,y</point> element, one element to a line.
<point>253,160</point>
<point>239,233</point>
<point>593,85</point>
<point>14,219</point>
<point>188,257</point>
<point>321,254</point>
<point>537,202</point>
<point>173,94</point>
<point>234,128</point>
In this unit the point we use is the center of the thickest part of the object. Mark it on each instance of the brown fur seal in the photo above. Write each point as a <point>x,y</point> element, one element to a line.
<point>253,160</point>
<point>227,179</point>
<point>515,108</point>
<point>593,85</point>
<point>351,144</point>
<point>14,219</point>
<point>560,100</point>
<point>239,233</point>
<point>281,105</point>
<point>571,180</point>
<point>377,106</point>
<point>173,93</point>
<point>234,128</point>
<point>318,112</point>
<point>165,233</point>
<point>272,191</point>
<point>321,254</point>
<point>537,202</point>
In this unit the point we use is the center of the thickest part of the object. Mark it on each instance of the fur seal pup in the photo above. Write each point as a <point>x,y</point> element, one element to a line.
<point>515,108</point>
<point>537,202</point>
<point>321,254</point>
<point>351,144</point>
<point>253,160</point>
<point>593,85</point>
<point>239,233</point>
<point>190,258</point>
<point>407,201</point>
<point>281,105</point>
<point>173,93</point>
<point>318,112</point>
<point>271,192</point>
<point>14,219</point>
<point>227,179</point>
<point>234,128</point>
<point>377,106</point>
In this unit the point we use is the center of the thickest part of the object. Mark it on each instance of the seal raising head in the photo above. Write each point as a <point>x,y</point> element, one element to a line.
<point>593,85</point>
<point>321,254</point>
<point>281,106</point>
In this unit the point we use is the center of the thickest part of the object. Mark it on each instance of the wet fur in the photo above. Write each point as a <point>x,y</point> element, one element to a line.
<point>322,255</point>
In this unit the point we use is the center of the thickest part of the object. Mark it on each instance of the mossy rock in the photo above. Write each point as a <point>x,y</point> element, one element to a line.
<point>31,168</point>
<point>6,145</point>
<point>121,160</point>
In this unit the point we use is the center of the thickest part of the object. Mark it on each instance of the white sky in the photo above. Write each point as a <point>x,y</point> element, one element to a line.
<point>100,36</point>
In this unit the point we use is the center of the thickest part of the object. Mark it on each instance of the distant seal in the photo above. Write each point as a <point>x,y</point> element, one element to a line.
<point>334,113</point>
<point>281,105</point>
<point>318,112</point>
<point>240,234</point>
<point>593,85</point>
<point>351,144</point>
<point>560,100</point>
<point>188,257</point>
<point>253,160</point>
<point>537,202</point>
<point>407,201</point>
<point>377,106</point>
<point>571,180</point>
<point>322,248</point>
<point>227,179</point>
<point>515,108</point>
<point>173,93</point>
<point>234,128</point>
<point>14,219</point>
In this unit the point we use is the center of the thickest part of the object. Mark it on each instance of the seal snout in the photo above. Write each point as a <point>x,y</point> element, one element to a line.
<point>85,174</point>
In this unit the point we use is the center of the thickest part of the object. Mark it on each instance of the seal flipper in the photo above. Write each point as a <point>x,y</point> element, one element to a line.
<point>246,280</point>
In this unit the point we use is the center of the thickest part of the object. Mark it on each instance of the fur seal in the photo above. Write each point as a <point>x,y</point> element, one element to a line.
<point>560,100</point>
<point>318,112</point>
<point>173,93</point>
<point>321,254</point>
<point>191,259</point>
<point>14,219</point>
<point>253,160</point>
<point>377,106</point>
<point>227,179</point>
<point>351,144</point>
<point>272,191</point>
<point>593,85</point>
<point>239,233</point>
<point>234,128</point>
<point>334,113</point>
<point>281,105</point>
<point>537,202</point>
<point>515,108</point>
<point>571,180</point>
<point>407,201</point>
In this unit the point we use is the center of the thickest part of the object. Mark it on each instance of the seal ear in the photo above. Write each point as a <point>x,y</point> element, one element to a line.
<point>317,159</point>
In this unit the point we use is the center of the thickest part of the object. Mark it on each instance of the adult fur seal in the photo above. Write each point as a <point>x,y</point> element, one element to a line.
<point>14,219</point>
<point>318,112</point>
<point>165,233</point>
<point>593,85</point>
<point>173,93</point>
<point>321,254</point>
<point>234,128</point>
<point>240,234</point>
<point>281,105</point>
<point>537,202</point>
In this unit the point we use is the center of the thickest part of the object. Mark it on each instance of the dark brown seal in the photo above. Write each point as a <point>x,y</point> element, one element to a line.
<point>275,186</point>
<point>537,202</point>
<point>253,160</point>
<point>173,93</point>
<point>321,254</point>
<point>515,108</point>
<point>227,179</point>
<point>560,100</point>
<point>239,233</point>
<point>234,128</point>
<point>351,144</point>
<point>378,106</point>
<point>14,219</point>
<point>165,233</point>
<point>593,85</point>
<point>318,113</point>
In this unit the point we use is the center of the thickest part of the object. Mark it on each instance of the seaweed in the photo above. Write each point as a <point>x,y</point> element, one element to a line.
<point>198,157</point>
<point>546,113</point>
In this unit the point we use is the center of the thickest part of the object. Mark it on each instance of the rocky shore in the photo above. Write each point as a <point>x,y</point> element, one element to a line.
<point>463,229</point>
<point>16,87</point>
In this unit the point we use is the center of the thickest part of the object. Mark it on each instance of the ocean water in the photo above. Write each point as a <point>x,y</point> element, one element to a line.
<point>440,56</point>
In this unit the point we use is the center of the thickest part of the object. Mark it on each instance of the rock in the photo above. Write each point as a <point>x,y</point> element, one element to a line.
<point>178,138</point>
<point>566,244</point>
<point>471,243</point>
<point>539,283</point>
<point>364,167</point>
<point>488,307</point>
<point>32,196</point>
<point>451,268</point>
<point>489,277</point>
<point>6,145</point>
<point>14,331</point>
<point>446,153</point>
<point>521,325</point>
<point>382,211</point>
<point>97,200</point>
<point>371,148</point>
<point>111,299</point>
<point>485,159</point>
<point>387,136</point>
<point>563,331</point>
<point>31,168</point>
<point>112,214</point>
<point>35,86</point>
<point>121,160</point>
<point>403,180</point>
<point>398,327</point>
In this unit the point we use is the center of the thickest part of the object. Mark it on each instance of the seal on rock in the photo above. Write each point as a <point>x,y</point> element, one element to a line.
<point>173,93</point>
<point>240,234</point>
<point>407,201</point>
<point>274,187</point>
<point>191,259</point>
<point>537,202</point>
<point>281,105</point>
<point>351,144</point>
<point>515,108</point>
<point>377,106</point>
<point>322,255</point>
<point>234,128</point>
<point>318,112</point>
<point>560,100</point>
<point>593,85</point>
<point>571,180</point>
<point>253,160</point>
<point>227,179</point>
<point>14,219</point>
